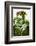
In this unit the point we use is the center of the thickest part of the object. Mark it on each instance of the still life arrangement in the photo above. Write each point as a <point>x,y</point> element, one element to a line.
<point>20,24</point>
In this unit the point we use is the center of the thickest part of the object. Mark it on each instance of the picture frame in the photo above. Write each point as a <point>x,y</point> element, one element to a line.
<point>13,8</point>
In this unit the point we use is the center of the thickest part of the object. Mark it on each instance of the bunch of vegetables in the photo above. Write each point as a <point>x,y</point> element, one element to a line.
<point>20,25</point>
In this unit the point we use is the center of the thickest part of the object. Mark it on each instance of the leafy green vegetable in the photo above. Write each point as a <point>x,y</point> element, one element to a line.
<point>20,26</point>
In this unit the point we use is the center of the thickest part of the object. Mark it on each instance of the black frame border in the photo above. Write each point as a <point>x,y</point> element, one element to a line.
<point>7,3</point>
